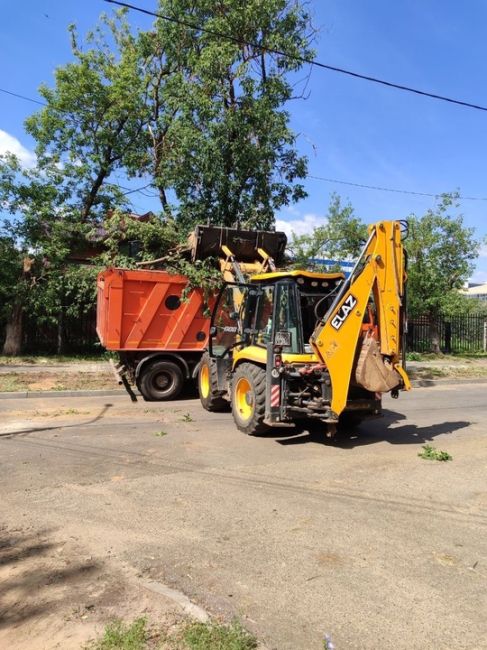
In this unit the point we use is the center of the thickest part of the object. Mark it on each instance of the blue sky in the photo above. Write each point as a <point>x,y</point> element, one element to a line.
<point>350,129</point>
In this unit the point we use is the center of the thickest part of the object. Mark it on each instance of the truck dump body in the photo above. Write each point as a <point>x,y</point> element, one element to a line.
<point>141,310</point>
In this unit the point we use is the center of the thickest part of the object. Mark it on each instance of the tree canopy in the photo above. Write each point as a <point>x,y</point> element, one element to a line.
<point>341,238</point>
<point>200,119</point>
<point>441,255</point>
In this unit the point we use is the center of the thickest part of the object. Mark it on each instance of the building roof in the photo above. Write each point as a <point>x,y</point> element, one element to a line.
<point>277,275</point>
<point>476,289</point>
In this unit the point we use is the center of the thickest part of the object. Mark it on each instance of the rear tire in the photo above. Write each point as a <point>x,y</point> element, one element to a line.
<point>210,397</point>
<point>161,381</point>
<point>248,399</point>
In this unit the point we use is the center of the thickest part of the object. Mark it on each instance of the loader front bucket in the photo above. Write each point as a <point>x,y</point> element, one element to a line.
<point>207,241</point>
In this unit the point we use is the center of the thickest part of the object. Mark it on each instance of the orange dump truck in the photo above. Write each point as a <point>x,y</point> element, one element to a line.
<point>158,333</point>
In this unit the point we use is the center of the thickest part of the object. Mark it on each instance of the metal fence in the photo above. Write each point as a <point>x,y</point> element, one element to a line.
<point>74,335</point>
<point>457,334</point>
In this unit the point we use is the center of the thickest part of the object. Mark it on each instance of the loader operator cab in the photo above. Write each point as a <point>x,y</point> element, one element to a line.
<point>280,307</point>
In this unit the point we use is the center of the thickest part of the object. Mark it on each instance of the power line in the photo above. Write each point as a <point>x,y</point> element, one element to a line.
<point>390,189</point>
<point>27,99</point>
<point>301,59</point>
<point>317,178</point>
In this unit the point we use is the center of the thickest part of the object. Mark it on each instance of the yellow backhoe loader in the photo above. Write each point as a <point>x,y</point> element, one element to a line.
<point>292,345</point>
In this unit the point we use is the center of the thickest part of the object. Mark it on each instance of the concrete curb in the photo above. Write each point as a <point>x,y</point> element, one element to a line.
<point>427,383</point>
<point>416,383</point>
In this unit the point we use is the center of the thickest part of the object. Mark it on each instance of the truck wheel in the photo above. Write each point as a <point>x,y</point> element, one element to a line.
<point>248,399</point>
<point>210,397</point>
<point>161,381</point>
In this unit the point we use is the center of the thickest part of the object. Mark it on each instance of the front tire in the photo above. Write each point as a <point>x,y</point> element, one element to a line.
<point>248,399</point>
<point>161,381</point>
<point>210,398</point>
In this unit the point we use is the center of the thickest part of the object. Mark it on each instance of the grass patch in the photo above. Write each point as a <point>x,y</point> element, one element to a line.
<point>187,418</point>
<point>160,434</point>
<point>454,356</point>
<point>188,636</point>
<point>48,359</point>
<point>430,453</point>
<point>448,372</point>
<point>123,636</point>
<point>53,381</point>
<point>10,384</point>
<point>203,636</point>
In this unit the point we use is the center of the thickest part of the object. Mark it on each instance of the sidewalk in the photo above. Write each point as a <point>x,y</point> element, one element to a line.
<point>91,366</point>
<point>96,378</point>
<point>15,378</point>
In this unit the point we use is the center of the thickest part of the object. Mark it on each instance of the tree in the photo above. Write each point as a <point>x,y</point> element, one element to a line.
<point>10,301</point>
<point>341,238</point>
<point>92,121</point>
<point>42,231</point>
<point>441,254</point>
<point>201,116</point>
<point>220,135</point>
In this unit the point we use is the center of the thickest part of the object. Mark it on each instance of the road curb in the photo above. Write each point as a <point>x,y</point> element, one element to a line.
<point>427,383</point>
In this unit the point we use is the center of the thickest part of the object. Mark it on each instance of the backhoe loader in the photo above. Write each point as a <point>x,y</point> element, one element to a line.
<point>286,346</point>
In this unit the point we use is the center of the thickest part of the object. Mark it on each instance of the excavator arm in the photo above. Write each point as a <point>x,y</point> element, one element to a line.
<point>352,352</point>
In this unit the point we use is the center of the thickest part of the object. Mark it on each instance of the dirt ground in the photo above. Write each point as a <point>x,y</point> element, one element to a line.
<point>46,375</point>
<point>294,535</point>
<point>55,594</point>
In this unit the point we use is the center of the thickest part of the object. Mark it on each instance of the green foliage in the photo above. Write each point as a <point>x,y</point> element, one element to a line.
<point>220,137</point>
<point>341,238</point>
<point>203,636</point>
<point>126,241</point>
<point>441,254</point>
<point>121,636</point>
<point>94,115</point>
<point>414,356</point>
<point>200,117</point>
<point>160,434</point>
<point>10,270</point>
<point>187,418</point>
<point>43,231</point>
<point>430,453</point>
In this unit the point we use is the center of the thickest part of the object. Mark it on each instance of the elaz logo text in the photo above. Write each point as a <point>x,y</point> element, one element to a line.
<point>344,312</point>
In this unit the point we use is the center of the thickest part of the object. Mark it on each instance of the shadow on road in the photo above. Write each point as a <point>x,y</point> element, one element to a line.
<point>370,432</point>
<point>34,576</point>
<point>23,432</point>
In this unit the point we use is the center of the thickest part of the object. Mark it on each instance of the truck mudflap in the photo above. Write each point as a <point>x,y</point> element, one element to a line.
<point>120,373</point>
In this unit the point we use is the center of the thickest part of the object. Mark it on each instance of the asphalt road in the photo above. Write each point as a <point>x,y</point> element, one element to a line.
<point>295,535</point>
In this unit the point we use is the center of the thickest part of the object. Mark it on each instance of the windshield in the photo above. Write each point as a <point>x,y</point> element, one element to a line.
<point>242,316</point>
<point>284,313</point>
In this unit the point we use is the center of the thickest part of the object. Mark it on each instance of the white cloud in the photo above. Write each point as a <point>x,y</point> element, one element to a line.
<point>301,226</point>
<point>483,251</point>
<point>9,143</point>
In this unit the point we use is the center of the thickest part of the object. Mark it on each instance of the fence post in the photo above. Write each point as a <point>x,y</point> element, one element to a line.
<point>485,335</point>
<point>447,337</point>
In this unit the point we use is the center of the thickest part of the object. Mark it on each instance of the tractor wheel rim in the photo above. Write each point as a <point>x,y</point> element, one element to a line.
<point>244,398</point>
<point>205,381</point>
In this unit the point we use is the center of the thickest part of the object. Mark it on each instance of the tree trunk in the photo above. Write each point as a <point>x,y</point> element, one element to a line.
<point>13,332</point>
<point>435,335</point>
<point>60,332</point>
